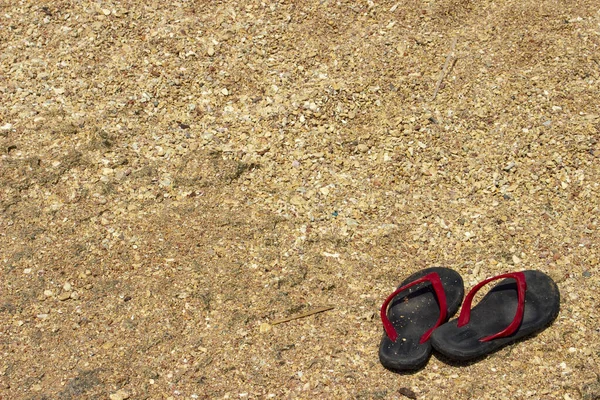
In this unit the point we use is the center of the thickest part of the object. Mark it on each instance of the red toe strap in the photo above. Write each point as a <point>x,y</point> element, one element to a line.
<point>465,312</point>
<point>438,288</point>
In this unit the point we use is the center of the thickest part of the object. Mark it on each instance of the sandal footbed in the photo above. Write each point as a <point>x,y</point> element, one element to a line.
<point>494,313</point>
<point>413,312</point>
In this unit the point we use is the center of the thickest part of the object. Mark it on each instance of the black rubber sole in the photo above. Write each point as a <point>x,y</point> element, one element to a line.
<point>494,313</point>
<point>413,312</point>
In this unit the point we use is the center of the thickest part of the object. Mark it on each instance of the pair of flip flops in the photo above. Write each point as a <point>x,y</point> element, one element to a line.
<point>415,316</point>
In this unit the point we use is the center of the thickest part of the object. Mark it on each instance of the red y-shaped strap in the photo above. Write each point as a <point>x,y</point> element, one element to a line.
<point>465,312</point>
<point>438,288</point>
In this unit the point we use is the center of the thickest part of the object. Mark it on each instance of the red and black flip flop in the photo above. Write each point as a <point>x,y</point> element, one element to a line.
<point>524,303</point>
<point>424,301</point>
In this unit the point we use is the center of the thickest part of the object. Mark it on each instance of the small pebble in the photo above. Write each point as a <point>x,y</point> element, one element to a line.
<point>119,395</point>
<point>351,222</point>
<point>64,296</point>
<point>509,167</point>
<point>363,148</point>
<point>210,51</point>
<point>408,393</point>
<point>296,200</point>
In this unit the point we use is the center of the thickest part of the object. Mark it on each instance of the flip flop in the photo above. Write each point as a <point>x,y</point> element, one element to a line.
<point>412,312</point>
<point>525,303</point>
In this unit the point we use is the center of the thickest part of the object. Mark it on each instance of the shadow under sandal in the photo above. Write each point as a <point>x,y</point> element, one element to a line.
<point>424,301</point>
<point>525,303</point>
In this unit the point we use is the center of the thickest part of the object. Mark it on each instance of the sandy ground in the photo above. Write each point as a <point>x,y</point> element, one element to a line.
<point>177,176</point>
